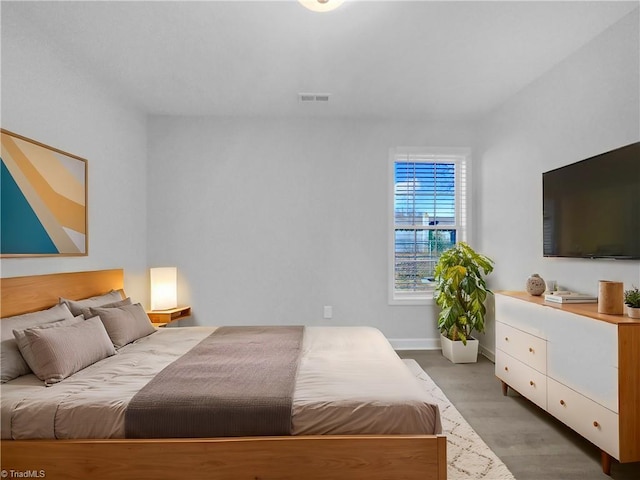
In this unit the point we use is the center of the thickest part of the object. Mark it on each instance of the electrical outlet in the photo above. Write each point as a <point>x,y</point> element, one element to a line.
<point>328,311</point>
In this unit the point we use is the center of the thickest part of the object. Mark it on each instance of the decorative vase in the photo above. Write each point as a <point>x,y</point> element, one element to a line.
<point>610,297</point>
<point>633,312</point>
<point>535,285</point>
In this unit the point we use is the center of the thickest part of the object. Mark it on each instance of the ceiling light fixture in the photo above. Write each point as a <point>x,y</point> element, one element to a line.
<point>321,5</point>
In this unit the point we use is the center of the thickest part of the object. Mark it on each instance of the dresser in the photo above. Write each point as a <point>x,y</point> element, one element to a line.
<point>580,366</point>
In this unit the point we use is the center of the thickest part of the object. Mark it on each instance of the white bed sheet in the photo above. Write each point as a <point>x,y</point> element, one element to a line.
<point>350,381</point>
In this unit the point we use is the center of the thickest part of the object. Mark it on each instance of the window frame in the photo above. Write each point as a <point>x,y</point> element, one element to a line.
<point>462,159</point>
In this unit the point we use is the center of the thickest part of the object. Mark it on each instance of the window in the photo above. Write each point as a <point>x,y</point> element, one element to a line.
<point>428,215</point>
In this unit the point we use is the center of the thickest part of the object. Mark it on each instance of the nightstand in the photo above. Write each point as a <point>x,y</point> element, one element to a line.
<point>161,318</point>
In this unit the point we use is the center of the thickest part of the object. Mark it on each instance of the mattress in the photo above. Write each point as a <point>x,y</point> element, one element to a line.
<point>349,381</point>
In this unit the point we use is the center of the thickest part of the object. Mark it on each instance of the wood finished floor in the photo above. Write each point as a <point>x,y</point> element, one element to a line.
<point>532,443</point>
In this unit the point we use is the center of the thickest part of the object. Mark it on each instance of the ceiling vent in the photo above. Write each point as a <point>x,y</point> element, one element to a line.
<point>314,97</point>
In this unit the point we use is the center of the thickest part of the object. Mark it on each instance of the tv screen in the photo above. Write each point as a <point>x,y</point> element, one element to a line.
<point>591,209</point>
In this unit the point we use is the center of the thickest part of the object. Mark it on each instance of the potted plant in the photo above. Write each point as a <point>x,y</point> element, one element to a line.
<point>460,292</point>
<point>632,301</point>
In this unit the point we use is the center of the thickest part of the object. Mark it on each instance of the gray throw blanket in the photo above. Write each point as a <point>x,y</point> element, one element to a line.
<point>239,381</point>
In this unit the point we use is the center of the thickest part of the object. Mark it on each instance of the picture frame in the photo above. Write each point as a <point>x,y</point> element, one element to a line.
<point>43,200</point>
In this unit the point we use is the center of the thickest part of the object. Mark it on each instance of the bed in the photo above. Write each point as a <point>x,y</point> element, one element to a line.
<point>316,450</point>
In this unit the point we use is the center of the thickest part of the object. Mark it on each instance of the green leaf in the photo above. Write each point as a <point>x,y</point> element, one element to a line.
<point>461,291</point>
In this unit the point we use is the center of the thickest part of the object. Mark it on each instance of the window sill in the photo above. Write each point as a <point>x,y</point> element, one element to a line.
<point>411,300</point>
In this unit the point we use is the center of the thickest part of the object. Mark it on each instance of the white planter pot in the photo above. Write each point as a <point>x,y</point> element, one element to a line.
<point>633,312</point>
<point>457,352</point>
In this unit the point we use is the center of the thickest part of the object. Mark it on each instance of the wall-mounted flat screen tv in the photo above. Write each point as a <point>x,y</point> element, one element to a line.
<point>591,209</point>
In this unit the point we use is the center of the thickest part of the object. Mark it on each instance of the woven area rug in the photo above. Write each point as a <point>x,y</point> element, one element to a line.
<point>468,457</point>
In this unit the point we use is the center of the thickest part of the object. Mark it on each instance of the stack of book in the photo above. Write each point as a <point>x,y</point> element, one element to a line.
<point>570,297</point>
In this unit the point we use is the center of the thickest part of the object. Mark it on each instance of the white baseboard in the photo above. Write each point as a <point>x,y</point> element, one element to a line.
<point>488,353</point>
<point>431,344</point>
<point>415,343</point>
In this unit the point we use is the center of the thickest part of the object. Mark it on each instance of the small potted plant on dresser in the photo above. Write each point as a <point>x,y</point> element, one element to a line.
<point>461,292</point>
<point>632,301</point>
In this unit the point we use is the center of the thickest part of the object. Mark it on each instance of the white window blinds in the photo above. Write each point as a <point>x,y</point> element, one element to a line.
<point>428,217</point>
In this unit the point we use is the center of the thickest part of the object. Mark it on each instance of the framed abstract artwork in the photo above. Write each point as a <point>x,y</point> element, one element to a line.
<point>43,200</point>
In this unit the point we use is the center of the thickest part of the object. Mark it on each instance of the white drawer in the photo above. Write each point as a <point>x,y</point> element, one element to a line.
<point>591,420</point>
<point>520,314</point>
<point>527,348</point>
<point>583,354</point>
<point>527,381</point>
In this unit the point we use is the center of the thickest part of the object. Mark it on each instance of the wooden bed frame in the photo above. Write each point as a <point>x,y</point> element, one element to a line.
<point>322,457</point>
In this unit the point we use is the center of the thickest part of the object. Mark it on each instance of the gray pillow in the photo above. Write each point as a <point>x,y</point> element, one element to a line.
<point>87,311</point>
<point>125,324</point>
<point>25,346</point>
<point>12,365</point>
<point>63,351</point>
<point>76,306</point>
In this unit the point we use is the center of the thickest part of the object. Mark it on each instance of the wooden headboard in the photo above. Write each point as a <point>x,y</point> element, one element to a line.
<point>37,292</point>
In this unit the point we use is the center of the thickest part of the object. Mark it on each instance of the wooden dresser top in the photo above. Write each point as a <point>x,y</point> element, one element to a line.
<point>585,309</point>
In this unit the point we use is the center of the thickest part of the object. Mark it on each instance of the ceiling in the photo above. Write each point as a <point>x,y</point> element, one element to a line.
<point>447,60</point>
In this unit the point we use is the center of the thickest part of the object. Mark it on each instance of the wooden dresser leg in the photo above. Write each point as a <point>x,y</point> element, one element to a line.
<point>606,462</point>
<point>505,388</point>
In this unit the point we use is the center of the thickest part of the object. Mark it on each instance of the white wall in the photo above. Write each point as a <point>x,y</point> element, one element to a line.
<point>48,98</point>
<point>586,105</point>
<point>312,232</point>
<point>269,220</point>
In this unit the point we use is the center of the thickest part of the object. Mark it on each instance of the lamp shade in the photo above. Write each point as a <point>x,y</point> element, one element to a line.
<point>164,288</point>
